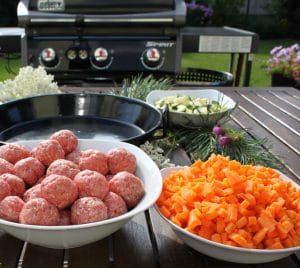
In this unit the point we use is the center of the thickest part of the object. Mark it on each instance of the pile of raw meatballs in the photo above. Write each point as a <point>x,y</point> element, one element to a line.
<point>56,184</point>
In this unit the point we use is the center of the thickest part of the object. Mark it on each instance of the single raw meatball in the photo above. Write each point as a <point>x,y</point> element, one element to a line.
<point>116,206</point>
<point>128,186</point>
<point>33,192</point>
<point>120,159</point>
<point>59,190</point>
<point>88,209</point>
<point>63,167</point>
<point>64,217</point>
<point>10,208</point>
<point>91,183</point>
<point>13,152</point>
<point>48,151</point>
<point>16,184</point>
<point>6,167</point>
<point>39,211</point>
<point>66,139</point>
<point>30,170</point>
<point>74,156</point>
<point>93,160</point>
<point>5,189</point>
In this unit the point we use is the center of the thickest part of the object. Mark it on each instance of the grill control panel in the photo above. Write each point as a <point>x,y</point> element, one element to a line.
<point>102,55</point>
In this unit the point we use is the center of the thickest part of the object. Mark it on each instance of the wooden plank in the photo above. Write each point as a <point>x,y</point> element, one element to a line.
<point>10,250</point>
<point>93,255</point>
<point>132,245</point>
<point>36,257</point>
<point>280,104</point>
<point>288,98</point>
<point>272,111</point>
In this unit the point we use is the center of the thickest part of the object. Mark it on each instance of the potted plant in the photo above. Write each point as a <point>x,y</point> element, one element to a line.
<point>284,66</point>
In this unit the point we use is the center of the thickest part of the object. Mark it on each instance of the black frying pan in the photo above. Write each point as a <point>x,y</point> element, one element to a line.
<point>90,116</point>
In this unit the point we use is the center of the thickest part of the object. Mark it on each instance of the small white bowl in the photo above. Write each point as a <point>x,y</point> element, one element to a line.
<point>224,252</point>
<point>78,235</point>
<point>187,120</point>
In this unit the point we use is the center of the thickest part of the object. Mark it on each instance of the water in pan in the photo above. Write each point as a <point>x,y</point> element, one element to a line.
<point>84,127</point>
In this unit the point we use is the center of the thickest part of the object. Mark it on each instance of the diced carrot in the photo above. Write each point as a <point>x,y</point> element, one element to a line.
<point>267,221</point>
<point>216,237</point>
<point>230,227</point>
<point>259,236</point>
<point>241,222</point>
<point>241,241</point>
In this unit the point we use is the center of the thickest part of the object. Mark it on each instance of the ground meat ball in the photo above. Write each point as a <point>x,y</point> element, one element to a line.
<point>63,167</point>
<point>64,217</point>
<point>5,189</point>
<point>33,192</point>
<point>120,159</point>
<point>74,156</point>
<point>39,211</point>
<point>66,139</point>
<point>16,184</point>
<point>116,206</point>
<point>128,186</point>
<point>10,208</point>
<point>88,209</point>
<point>91,183</point>
<point>13,152</point>
<point>59,190</point>
<point>48,151</point>
<point>29,169</point>
<point>93,160</point>
<point>6,167</point>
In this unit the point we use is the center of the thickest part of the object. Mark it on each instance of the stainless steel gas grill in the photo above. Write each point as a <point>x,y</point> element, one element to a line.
<point>95,39</point>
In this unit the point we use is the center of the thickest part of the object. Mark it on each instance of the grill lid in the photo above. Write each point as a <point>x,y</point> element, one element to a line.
<point>95,12</point>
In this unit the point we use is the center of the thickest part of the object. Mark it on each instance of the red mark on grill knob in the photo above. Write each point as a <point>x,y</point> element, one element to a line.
<point>152,58</point>
<point>101,58</point>
<point>48,57</point>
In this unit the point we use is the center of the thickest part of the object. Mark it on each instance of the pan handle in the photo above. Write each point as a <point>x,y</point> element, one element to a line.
<point>164,124</point>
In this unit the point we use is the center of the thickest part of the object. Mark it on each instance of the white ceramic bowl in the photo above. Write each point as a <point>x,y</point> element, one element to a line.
<point>181,119</point>
<point>224,252</point>
<point>79,235</point>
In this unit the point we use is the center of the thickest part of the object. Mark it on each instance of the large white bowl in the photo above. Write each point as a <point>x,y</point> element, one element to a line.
<point>187,120</point>
<point>224,252</point>
<point>79,235</point>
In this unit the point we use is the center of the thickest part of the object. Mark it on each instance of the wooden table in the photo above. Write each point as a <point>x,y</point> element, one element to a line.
<point>146,241</point>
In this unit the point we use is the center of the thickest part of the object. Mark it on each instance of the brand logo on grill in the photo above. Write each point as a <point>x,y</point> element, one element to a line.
<point>159,44</point>
<point>51,5</point>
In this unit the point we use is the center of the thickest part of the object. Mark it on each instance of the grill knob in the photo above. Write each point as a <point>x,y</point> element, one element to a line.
<point>101,57</point>
<point>151,57</point>
<point>49,57</point>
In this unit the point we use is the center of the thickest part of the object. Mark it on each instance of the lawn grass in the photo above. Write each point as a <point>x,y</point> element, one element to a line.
<point>219,62</point>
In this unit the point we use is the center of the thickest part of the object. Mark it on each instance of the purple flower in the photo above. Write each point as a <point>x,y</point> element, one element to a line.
<point>275,50</point>
<point>295,47</point>
<point>223,140</point>
<point>207,10</point>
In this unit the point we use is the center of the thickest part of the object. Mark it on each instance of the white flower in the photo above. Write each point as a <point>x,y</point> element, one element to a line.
<point>29,82</point>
